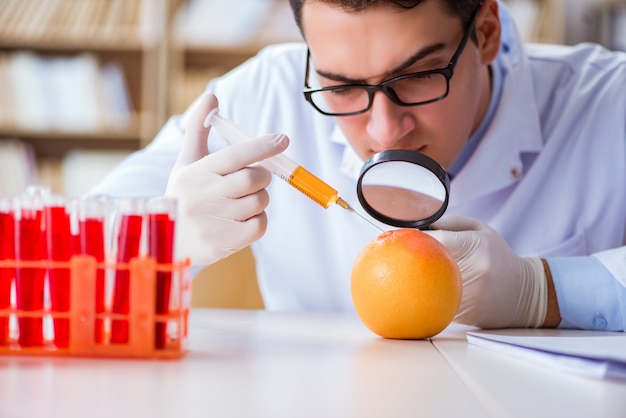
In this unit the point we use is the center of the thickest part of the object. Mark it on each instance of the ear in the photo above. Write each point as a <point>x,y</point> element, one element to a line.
<point>488,29</point>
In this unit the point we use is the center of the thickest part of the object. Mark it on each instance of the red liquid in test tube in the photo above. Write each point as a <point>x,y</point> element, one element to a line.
<point>29,283</point>
<point>93,212</point>
<point>59,244</point>
<point>7,252</point>
<point>131,213</point>
<point>161,222</point>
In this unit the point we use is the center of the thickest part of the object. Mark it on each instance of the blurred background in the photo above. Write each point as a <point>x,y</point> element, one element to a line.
<point>85,82</point>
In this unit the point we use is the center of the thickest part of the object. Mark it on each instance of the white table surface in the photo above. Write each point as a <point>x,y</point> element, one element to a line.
<point>263,364</point>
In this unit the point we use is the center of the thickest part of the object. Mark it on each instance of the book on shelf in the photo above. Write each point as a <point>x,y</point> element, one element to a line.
<point>66,94</point>
<point>78,171</point>
<point>18,168</point>
<point>82,169</point>
<point>236,23</point>
<point>79,20</point>
<point>526,15</point>
<point>541,21</point>
<point>609,25</point>
<point>74,174</point>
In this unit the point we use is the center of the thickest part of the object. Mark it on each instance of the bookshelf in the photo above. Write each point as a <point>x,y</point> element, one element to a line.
<point>82,74</point>
<point>571,21</point>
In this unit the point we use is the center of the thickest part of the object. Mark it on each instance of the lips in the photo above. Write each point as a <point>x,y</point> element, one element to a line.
<point>420,149</point>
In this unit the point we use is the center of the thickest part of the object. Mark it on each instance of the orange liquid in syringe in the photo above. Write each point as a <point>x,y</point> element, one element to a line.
<point>313,187</point>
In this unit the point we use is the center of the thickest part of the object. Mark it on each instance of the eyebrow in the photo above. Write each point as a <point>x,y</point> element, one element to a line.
<point>419,55</point>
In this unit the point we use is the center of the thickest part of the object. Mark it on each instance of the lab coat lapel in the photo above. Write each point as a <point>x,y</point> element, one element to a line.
<point>515,128</point>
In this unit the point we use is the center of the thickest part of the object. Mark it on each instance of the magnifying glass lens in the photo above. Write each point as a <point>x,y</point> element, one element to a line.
<point>400,203</point>
<point>403,188</point>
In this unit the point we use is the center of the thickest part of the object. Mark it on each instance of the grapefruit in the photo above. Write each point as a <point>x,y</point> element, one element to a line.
<point>406,285</point>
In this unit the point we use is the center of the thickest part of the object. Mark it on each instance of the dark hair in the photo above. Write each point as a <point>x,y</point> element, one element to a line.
<point>459,8</point>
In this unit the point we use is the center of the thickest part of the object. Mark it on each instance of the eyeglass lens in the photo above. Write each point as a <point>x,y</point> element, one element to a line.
<point>408,90</point>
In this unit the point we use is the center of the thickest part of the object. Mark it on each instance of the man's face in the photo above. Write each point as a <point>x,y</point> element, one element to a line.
<point>380,43</point>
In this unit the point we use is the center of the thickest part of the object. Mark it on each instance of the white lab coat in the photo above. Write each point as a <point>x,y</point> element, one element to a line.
<point>549,175</point>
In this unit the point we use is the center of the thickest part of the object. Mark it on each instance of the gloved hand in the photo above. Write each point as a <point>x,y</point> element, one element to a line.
<point>500,289</point>
<point>221,199</point>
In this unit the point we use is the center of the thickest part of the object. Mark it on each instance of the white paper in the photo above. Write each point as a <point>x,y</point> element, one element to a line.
<point>596,354</point>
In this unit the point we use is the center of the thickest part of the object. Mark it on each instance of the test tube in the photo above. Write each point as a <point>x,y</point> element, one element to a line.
<point>161,235</point>
<point>92,217</point>
<point>73,208</point>
<point>58,213</point>
<point>29,283</point>
<point>7,252</point>
<point>129,231</point>
<point>283,166</point>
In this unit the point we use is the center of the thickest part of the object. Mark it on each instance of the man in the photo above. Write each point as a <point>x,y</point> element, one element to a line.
<point>534,138</point>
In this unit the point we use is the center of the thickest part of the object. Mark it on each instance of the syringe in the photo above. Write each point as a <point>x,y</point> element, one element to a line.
<point>285,168</point>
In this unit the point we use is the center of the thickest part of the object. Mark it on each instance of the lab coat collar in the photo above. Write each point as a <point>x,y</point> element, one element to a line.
<point>515,128</point>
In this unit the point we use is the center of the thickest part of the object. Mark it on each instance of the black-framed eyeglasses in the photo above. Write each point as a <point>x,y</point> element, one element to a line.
<point>412,89</point>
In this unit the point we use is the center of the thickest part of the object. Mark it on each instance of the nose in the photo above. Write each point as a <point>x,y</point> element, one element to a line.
<point>388,122</point>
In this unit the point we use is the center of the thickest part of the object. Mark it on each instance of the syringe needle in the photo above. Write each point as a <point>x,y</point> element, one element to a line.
<point>346,206</point>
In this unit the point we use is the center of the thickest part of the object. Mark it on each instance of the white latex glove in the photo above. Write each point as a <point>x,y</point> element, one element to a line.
<point>500,289</point>
<point>221,199</point>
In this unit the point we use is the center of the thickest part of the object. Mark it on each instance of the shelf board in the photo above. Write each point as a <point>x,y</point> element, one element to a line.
<point>65,44</point>
<point>58,144</point>
<point>141,128</point>
<point>59,135</point>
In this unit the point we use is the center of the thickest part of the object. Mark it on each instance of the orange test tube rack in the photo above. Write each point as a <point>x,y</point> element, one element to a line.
<point>82,313</point>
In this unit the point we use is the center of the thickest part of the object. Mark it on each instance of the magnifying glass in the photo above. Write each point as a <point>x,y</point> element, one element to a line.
<point>403,188</point>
